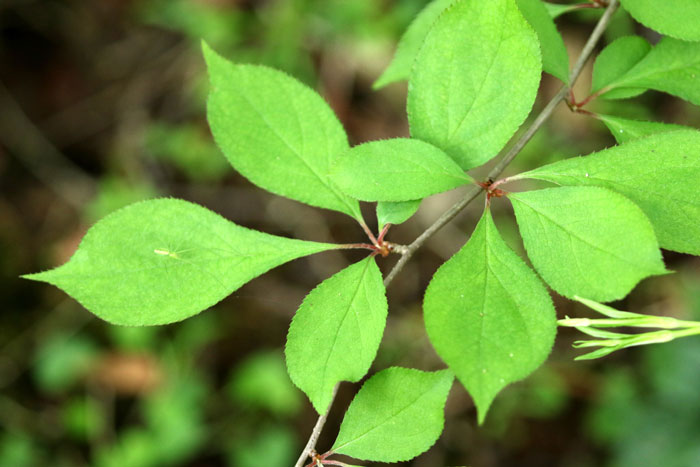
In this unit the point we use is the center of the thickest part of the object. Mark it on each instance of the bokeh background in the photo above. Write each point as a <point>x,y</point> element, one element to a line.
<point>102,103</point>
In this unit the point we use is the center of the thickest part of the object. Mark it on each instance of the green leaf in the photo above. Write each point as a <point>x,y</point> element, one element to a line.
<point>672,66</point>
<point>606,310</point>
<point>675,18</point>
<point>335,334</point>
<point>398,212</point>
<point>397,415</point>
<point>488,315</point>
<point>396,170</point>
<point>659,173</point>
<point>587,241</point>
<point>555,58</point>
<point>624,129</point>
<point>164,260</point>
<point>276,132</point>
<point>614,61</point>
<point>475,80</point>
<point>400,67</point>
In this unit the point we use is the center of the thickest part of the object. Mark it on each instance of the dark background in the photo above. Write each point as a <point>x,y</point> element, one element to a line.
<point>102,104</point>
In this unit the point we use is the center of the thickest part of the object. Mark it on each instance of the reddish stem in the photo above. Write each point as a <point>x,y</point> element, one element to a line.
<point>369,233</point>
<point>380,238</point>
<point>357,246</point>
<point>577,106</point>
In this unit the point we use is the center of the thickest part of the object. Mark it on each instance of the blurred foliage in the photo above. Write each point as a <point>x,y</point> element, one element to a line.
<point>189,149</point>
<point>118,87</point>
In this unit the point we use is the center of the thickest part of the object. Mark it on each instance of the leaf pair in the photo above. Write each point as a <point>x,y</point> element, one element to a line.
<point>334,337</point>
<point>470,60</point>
<point>283,137</point>
<point>488,315</point>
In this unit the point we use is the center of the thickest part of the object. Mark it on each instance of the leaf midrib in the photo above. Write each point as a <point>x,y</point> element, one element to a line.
<point>581,239</point>
<point>325,182</point>
<point>387,420</point>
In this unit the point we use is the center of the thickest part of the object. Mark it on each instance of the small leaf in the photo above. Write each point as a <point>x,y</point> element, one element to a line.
<point>587,241</point>
<point>335,334</point>
<point>397,212</point>
<point>676,18</point>
<point>555,58</point>
<point>606,310</point>
<point>614,61</point>
<point>164,260</point>
<point>400,67</point>
<point>625,130</point>
<point>659,173</point>
<point>276,132</point>
<point>488,316</point>
<point>396,170</point>
<point>474,80</point>
<point>601,334</point>
<point>602,352</point>
<point>672,66</point>
<point>397,415</point>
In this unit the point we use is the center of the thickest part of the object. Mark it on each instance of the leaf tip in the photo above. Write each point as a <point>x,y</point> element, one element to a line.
<point>483,402</point>
<point>43,276</point>
<point>481,414</point>
<point>211,56</point>
<point>379,83</point>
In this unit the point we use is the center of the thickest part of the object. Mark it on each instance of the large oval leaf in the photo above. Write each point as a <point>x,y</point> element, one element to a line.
<point>659,173</point>
<point>164,260</point>
<point>676,18</point>
<point>335,334</point>
<point>397,415</point>
<point>398,169</point>
<point>587,241</point>
<point>277,132</point>
<point>474,80</point>
<point>488,316</point>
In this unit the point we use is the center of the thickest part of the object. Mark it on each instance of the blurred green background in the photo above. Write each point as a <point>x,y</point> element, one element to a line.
<point>102,104</point>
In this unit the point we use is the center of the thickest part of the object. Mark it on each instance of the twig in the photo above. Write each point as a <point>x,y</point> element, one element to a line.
<point>313,439</point>
<point>475,190</point>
